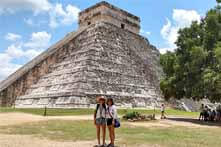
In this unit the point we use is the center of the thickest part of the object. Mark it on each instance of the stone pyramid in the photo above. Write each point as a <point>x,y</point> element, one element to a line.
<point>105,56</point>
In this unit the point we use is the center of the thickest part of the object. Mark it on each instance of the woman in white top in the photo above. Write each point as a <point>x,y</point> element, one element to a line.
<point>100,119</point>
<point>111,116</point>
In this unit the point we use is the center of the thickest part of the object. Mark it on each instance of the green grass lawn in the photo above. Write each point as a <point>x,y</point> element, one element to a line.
<point>68,112</point>
<point>126,135</point>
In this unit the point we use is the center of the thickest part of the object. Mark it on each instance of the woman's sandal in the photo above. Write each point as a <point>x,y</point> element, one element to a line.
<point>110,145</point>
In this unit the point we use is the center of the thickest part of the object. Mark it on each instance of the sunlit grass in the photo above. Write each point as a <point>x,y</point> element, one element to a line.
<point>62,130</point>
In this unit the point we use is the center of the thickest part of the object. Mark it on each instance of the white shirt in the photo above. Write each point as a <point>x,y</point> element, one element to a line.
<point>162,108</point>
<point>101,113</point>
<point>112,112</point>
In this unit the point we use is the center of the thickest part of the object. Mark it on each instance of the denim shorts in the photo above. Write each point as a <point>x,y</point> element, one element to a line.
<point>100,121</point>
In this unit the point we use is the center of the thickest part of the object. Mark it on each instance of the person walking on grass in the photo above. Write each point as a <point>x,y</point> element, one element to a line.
<point>100,120</point>
<point>111,117</point>
<point>202,112</point>
<point>162,111</point>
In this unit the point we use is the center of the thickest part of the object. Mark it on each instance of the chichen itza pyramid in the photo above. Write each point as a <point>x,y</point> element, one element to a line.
<point>105,56</point>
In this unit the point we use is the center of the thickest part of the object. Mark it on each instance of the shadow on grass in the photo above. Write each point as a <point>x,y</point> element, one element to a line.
<point>196,121</point>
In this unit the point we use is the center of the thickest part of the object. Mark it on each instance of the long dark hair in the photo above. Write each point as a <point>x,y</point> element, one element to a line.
<point>110,99</point>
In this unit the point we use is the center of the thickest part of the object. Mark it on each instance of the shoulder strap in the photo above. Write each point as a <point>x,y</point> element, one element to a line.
<point>96,109</point>
<point>104,106</point>
<point>108,109</point>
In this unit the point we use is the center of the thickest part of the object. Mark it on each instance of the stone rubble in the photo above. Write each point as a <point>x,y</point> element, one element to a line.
<point>191,105</point>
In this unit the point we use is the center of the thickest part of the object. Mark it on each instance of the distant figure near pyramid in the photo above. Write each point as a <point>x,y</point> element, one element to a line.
<point>105,56</point>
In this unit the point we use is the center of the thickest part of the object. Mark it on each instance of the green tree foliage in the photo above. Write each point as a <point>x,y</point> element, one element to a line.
<point>168,62</point>
<point>194,69</point>
<point>218,1</point>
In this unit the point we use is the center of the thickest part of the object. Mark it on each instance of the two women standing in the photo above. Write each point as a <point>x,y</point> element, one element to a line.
<point>105,114</point>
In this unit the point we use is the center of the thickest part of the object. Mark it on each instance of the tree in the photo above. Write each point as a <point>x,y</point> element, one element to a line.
<point>168,62</point>
<point>194,69</point>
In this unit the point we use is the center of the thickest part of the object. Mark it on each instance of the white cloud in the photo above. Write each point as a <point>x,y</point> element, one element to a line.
<point>181,18</point>
<point>57,13</point>
<point>34,22</point>
<point>71,14</point>
<point>35,5</point>
<point>29,21</point>
<point>184,18</point>
<point>38,40</point>
<point>12,37</point>
<point>66,16</point>
<point>17,51</point>
<point>4,58</point>
<point>164,50</point>
<point>170,34</point>
<point>1,11</point>
<point>145,33</point>
<point>8,67</point>
<point>22,50</point>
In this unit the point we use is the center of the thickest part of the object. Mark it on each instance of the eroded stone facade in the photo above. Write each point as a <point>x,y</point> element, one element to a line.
<point>101,58</point>
<point>105,12</point>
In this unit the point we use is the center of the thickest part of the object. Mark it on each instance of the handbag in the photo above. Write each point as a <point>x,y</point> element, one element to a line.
<point>116,121</point>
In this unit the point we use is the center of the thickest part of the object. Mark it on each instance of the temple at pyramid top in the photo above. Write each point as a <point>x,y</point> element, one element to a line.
<point>106,12</point>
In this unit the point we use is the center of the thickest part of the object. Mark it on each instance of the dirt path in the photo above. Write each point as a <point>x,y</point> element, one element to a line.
<point>20,118</point>
<point>177,121</point>
<point>30,141</point>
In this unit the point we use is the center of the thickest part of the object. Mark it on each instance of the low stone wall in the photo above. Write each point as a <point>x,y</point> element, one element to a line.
<point>192,106</point>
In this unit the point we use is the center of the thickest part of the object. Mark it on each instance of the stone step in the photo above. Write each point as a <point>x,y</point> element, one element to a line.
<point>65,71</point>
<point>51,94</point>
<point>65,82</point>
<point>71,100</point>
<point>90,75</point>
<point>57,75</point>
<point>56,88</point>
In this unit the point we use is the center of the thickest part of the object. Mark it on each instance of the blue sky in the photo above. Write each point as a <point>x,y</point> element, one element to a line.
<point>28,27</point>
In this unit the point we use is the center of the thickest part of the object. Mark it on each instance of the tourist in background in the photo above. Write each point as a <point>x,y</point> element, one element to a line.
<point>202,112</point>
<point>206,113</point>
<point>213,115</point>
<point>111,120</point>
<point>100,120</point>
<point>162,111</point>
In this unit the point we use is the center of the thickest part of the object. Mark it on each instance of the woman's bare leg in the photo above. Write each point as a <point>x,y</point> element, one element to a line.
<point>104,133</point>
<point>109,130</point>
<point>112,135</point>
<point>98,134</point>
